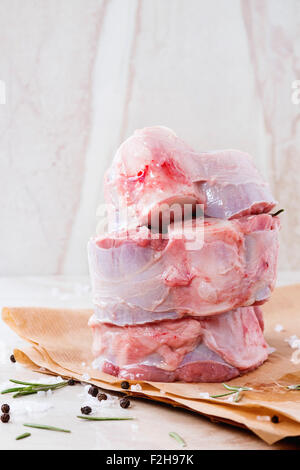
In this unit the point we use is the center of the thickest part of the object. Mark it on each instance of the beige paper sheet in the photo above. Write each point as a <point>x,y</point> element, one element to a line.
<point>60,342</point>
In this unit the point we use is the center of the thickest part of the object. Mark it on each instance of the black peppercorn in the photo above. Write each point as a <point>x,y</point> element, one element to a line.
<point>125,402</point>
<point>5,408</point>
<point>125,385</point>
<point>102,396</point>
<point>5,418</point>
<point>93,391</point>
<point>71,382</point>
<point>12,358</point>
<point>275,419</point>
<point>86,410</point>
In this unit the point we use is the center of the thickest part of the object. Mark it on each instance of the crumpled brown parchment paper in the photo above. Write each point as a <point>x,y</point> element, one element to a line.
<point>60,343</point>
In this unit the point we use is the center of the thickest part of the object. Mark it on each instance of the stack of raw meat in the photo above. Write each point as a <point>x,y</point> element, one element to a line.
<point>179,300</point>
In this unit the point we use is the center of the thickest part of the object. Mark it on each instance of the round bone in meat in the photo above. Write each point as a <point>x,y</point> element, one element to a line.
<point>203,270</point>
<point>211,349</point>
<point>154,168</point>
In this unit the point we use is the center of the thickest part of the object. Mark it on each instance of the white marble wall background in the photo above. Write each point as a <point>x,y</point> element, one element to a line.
<point>81,75</point>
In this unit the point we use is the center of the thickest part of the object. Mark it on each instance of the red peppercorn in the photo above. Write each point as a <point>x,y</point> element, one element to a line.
<point>5,408</point>
<point>5,418</point>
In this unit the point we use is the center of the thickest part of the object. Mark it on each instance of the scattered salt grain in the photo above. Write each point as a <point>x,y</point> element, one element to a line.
<point>263,418</point>
<point>135,427</point>
<point>41,394</point>
<point>278,328</point>
<point>136,388</point>
<point>231,398</point>
<point>204,395</point>
<point>108,407</point>
<point>294,342</point>
<point>292,387</point>
<point>83,364</point>
<point>97,363</point>
<point>85,377</point>
<point>295,358</point>
<point>29,408</point>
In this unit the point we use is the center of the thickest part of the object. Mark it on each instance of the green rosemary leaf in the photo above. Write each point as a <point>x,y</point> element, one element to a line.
<point>236,389</point>
<point>46,427</point>
<point>24,393</point>
<point>22,436</point>
<point>11,390</point>
<point>177,438</point>
<point>31,390</point>
<point>97,418</point>
<point>237,397</point>
<point>38,385</point>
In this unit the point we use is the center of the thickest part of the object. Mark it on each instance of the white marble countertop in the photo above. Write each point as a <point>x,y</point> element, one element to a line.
<point>150,429</point>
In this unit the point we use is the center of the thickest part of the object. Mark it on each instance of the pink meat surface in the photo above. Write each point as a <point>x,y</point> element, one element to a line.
<point>191,349</point>
<point>205,270</point>
<point>154,167</point>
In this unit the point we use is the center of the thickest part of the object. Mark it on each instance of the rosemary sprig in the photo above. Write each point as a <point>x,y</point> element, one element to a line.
<point>237,391</point>
<point>32,388</point>
<point>178,438</point>
<point>277,213</point>
<point>97,418</point>
<point>31,383</point>
<point>222,395</point>
<point>46,427</point>
<point>22,436</point>
<point>11,390</point>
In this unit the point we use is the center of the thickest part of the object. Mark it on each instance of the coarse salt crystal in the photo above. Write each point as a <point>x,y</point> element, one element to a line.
<point>263,418</point>
<point>25,407</point>
<point>136,388</point>
<point>278,328</point>
<point>293,341</point>
<point>135,427</point>
<point>204,395</point>
<point>231,398</point>
<point>85,377</point>
<point>296,357</point>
